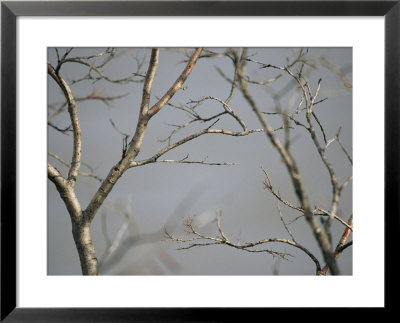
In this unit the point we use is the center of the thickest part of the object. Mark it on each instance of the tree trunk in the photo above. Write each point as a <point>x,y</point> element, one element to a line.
<point>85,248</point>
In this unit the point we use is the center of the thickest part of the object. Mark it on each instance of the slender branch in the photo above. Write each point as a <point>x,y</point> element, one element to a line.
<point>337,138</point>
<point>185,161</point>
<point>155,157</point>
<point>268,186</point>
<point>63,131</point>
<point>226,108</point>
<point>345,183</point>
<point>345,246</point>
<point>148,81</point>
<point>342,245</point>
<point>68,166</point>
<point>285,225</point>
<point>92,96</point>
<point>236,62</point>
<point>73,113</point>
<point>197,118</point>
<point>201,240</point>
<point>177,85</point>
<point>324,212</point>
<point>321,151</point>
<point>97,68</point>
<point>290,117</point>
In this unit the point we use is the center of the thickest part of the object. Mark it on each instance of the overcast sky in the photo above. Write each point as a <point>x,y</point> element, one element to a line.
<point>159,195</point>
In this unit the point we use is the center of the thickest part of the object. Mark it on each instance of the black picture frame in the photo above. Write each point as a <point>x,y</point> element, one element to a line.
<point>11,10</point>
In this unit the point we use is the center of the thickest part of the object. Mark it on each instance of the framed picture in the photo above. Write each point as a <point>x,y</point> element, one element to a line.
<point>301,36</point>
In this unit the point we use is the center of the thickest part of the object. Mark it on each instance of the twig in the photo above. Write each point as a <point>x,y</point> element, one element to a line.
<point>177,85</point>
<point>69,166</point>
<point>201,240</point>
<point>155,157</point>
<point>324,212</point>
<point>268,186</point>
<point>284,224</point>
<point>63,131</point>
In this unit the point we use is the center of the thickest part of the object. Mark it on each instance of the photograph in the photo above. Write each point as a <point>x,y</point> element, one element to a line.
<point>199,161</point>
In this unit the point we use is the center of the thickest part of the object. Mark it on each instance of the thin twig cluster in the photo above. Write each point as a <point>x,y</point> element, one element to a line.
<point>308,99</point>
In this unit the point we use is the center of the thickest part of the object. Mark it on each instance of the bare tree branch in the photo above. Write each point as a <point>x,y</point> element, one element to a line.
<point>177,85</point>
<point>291,166</point>
<point>92,96</point>
<point>68,166</point>
<point>63,131</point>
<point>342,245</point>
<point>200,240</point>
<point>268,186</point>
<point>155,157</point>
<point>148,81</point>
<point>76,155</point>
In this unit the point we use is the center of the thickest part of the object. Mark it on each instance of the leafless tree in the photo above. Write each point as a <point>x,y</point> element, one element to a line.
<point>304,116</point>
<point>308,100</point>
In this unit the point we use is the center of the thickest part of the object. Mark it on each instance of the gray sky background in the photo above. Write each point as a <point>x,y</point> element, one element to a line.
<point>157,194</point>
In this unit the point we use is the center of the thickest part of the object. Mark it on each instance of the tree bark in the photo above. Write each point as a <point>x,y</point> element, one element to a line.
<point>85,248</point>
